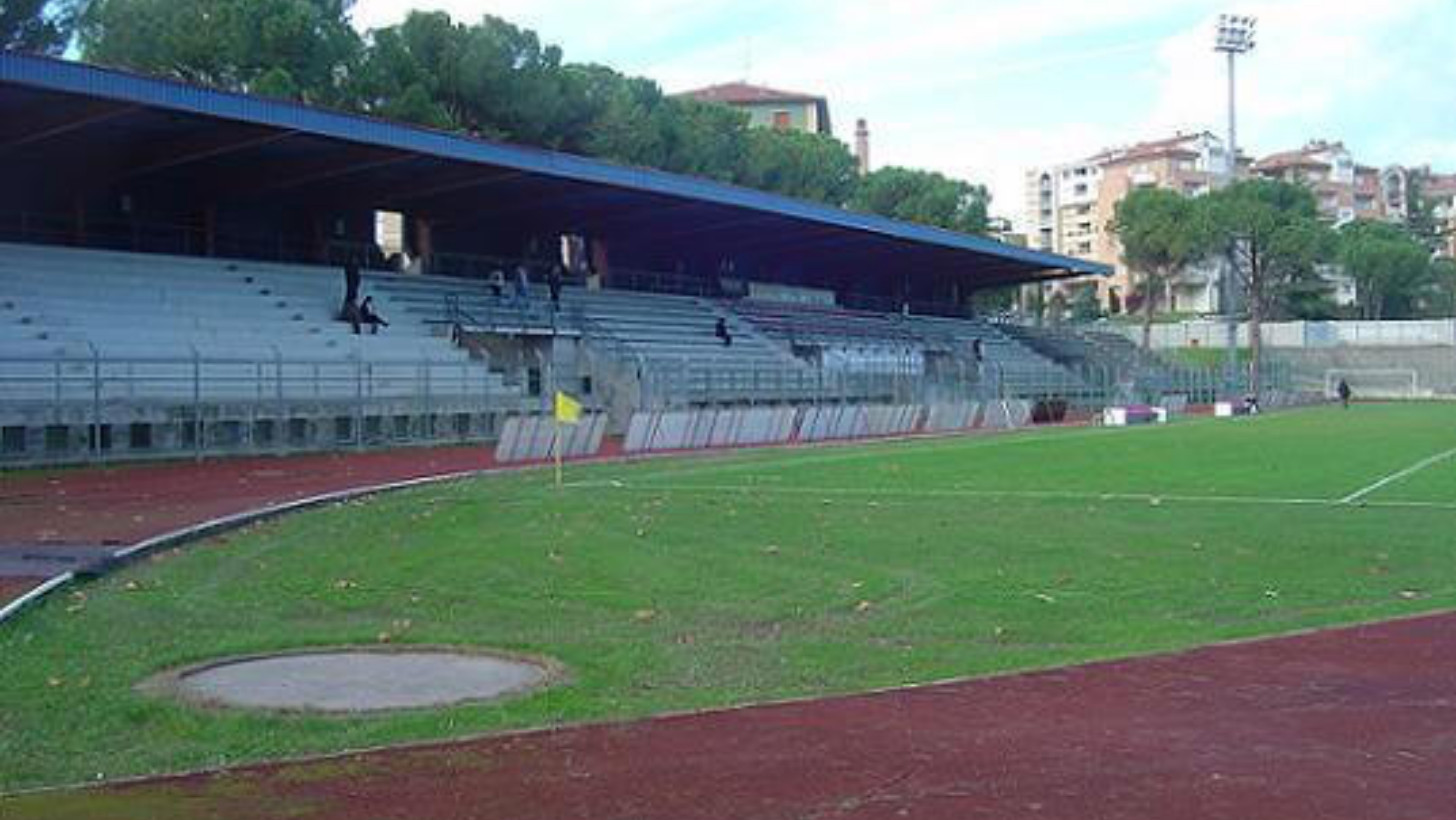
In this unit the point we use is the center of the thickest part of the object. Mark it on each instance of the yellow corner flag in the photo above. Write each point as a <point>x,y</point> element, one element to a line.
<point>568,410</point>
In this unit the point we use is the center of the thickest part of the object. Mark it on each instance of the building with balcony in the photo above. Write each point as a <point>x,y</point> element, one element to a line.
<point>1069,208</point>
<point>1343,188</point>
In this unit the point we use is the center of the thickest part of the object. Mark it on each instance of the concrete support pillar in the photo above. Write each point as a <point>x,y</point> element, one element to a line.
<point>209,229</point>
<point>424,244</point>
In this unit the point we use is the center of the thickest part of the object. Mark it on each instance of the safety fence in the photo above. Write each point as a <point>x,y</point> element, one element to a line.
<point>1392,333</point>
<point>670,430</point>
<point>61,409</point>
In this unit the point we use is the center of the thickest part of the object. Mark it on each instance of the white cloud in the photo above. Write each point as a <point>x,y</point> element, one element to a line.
<point>1314,62</point>
<point>986,89</point>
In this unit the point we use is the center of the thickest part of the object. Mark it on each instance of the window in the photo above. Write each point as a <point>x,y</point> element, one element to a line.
<point>1081,189</point>
<point>782,121</point>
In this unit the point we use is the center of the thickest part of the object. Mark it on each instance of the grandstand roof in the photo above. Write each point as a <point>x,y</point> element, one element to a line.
<point>89,123</point>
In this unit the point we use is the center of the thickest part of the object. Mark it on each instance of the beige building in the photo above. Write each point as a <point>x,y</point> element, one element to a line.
<point>1069,207</point>
<point>1440,190</point>
<point>1343,188</point>
<point>769,107</point>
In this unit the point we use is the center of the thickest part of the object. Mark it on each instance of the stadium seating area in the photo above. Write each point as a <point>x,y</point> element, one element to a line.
<point>1113,358</point>
<point>128,338</point>
<point>253,327</point>
<point>855,337</point>
<point>106,352</point>
<point>666,341</point>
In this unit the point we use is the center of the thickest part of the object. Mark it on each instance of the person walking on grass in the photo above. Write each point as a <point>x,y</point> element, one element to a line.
<point>1343,390</point>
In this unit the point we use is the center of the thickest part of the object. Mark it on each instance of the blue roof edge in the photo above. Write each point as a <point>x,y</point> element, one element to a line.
<point>122,86</point>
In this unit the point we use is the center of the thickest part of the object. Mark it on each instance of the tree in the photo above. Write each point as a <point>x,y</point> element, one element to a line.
<point>41,26</point>
<point>794,163</point>
<point>1392,270</point>
<point>1085,307</point>
<point>303,49</point>
<point>1274,241</point>
<point>1421,219</point>
<point>1162,232</point>
<point>926,197</point>
<point>1443,291</point>
<point>495,80</point>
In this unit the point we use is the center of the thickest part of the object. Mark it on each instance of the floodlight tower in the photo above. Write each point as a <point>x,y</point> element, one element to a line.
<point>1235,36</point>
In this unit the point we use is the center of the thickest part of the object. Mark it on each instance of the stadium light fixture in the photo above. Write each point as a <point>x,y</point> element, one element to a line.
<point>1235,33</point>
<point>1235,36</point>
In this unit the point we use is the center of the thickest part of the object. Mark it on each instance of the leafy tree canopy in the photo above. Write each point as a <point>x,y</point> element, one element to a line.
<point>495,80</point>
<point>1274,237</point>
<point>1162,232</point>
<point>926,197</point>
<point>1275,243</point>
<point>41,26</point>
<point>1393,272</point>
<point>304,49</point>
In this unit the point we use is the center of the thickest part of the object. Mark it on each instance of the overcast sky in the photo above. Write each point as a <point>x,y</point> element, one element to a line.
<point>983,89</point>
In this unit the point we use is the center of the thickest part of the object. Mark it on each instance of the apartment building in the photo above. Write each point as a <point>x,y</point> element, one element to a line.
<point>1440,190</point>
<point>1069,208</point>
<point>1344,189</point>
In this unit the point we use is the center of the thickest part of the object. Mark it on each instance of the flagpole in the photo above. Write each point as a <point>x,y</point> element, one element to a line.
<point>558,449</point>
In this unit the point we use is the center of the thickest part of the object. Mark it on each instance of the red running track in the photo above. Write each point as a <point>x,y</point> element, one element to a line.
<point>1350,724</point>
<point>127,503</point>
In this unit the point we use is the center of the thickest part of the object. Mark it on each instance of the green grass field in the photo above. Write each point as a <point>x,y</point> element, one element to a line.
<point>698,582</point>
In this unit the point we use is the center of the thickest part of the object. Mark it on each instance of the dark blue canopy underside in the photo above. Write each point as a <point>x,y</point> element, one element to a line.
<point>66,125</point>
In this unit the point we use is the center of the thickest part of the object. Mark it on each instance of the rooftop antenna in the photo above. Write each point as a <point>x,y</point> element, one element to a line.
<point>747,58</point>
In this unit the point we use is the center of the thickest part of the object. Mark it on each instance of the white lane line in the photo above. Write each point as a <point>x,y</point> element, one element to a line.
<point>1066,495</point>
<point>1394,477</point>
<point>789,457</point>
<point>1063,495</point>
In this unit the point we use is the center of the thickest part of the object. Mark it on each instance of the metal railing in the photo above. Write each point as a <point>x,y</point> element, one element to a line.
<point>188,396</point>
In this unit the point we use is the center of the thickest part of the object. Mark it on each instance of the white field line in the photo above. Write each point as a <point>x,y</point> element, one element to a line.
<point>1064,495</point>
<point>1394,477</point>
<point>790,457</point>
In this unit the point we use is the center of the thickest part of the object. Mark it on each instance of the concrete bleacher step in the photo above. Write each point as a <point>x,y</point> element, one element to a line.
<point>151,315</point>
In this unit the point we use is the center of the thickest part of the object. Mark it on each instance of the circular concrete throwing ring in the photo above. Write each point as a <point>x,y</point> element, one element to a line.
<point>353,680</point>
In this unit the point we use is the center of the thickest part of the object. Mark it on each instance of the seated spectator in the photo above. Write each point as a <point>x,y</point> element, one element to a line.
<point>497,283</point>
<point>369,317</point>
<point>721,331</point>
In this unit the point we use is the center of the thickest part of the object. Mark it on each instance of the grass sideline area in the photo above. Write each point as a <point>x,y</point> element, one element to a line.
<point>690,583</point>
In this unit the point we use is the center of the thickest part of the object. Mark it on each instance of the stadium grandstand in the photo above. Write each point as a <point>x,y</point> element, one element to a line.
<point>171,276</point>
